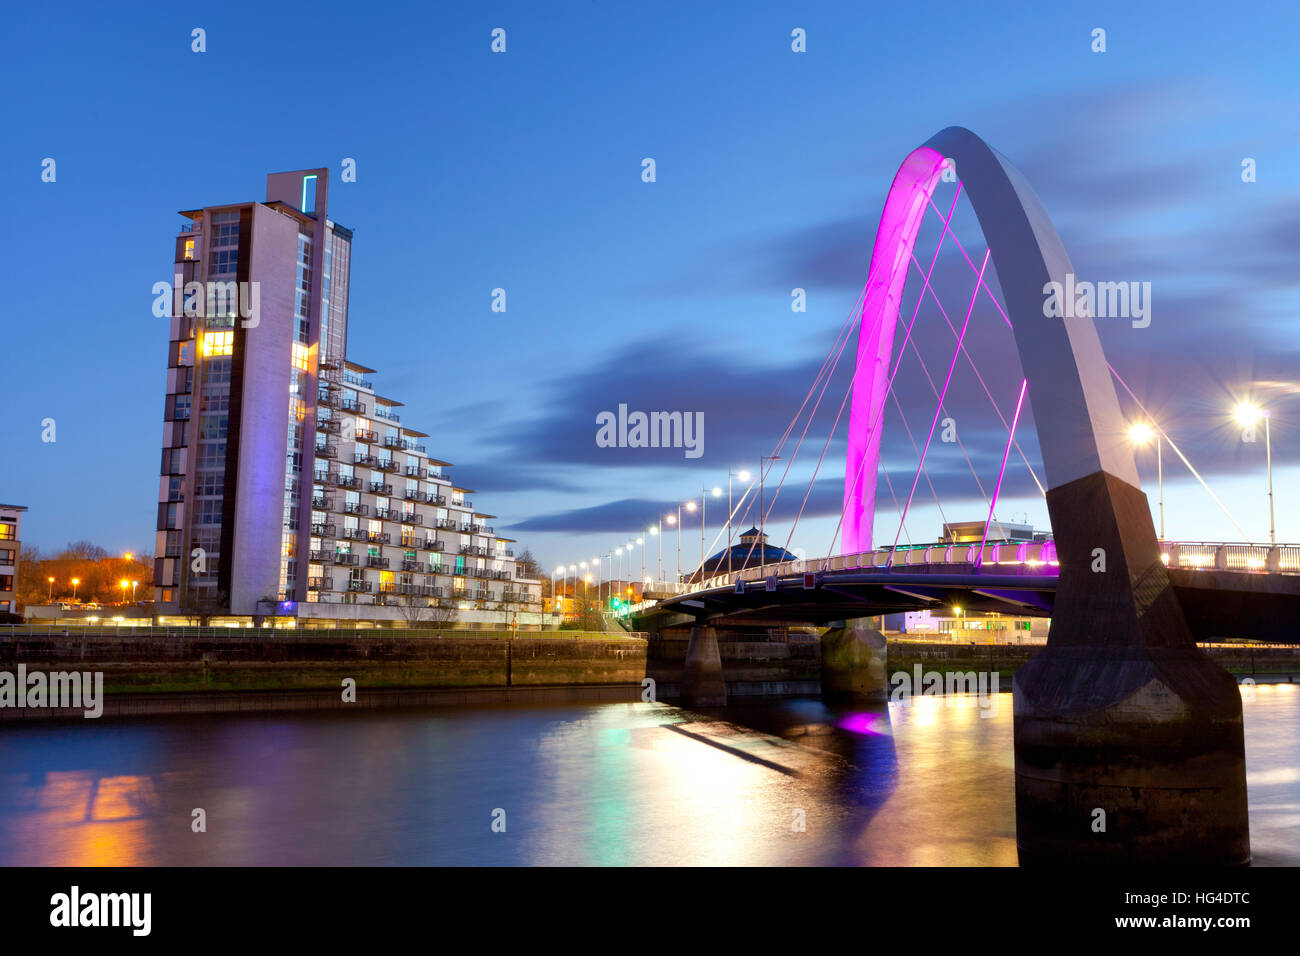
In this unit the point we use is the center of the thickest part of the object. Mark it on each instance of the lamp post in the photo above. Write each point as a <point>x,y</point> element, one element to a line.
<point>1140,434</point>
<point>704,497</point>
<point>1248,414</point>
<point>50,597</point>
<point>134,585</point>
<point>75,582</point>
<point>690,506</point>
<point>677,520</point>
<point>641,544</point>
<point>122,584</point>
<point>654,530</point>
<point>743,475</point>
<point>762,517</point>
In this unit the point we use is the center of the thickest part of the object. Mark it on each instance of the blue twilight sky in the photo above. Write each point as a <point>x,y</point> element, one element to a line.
<point>523,171</point>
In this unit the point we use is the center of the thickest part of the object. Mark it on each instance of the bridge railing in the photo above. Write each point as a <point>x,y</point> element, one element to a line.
<point>1221,555</point>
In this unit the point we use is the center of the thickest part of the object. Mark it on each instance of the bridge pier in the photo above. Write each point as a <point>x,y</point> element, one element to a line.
<point>853,662</point>
<point>1128,738</point>
<point>702,683</point>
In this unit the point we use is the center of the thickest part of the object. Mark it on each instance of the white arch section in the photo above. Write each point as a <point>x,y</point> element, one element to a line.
<point>1080,429</point>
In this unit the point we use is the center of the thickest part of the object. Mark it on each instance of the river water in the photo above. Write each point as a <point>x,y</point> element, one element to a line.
<point>925,782</point>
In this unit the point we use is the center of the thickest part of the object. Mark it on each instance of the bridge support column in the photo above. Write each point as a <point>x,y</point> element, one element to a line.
<point>1128,738</point>
<point>853,662</point>
<point>702,683</point>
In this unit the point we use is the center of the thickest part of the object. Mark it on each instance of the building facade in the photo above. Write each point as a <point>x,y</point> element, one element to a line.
<point>11,519</point>
<point>288,488</point>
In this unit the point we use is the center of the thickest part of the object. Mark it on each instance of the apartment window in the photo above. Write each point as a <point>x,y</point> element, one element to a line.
<point>214,426</point>
<point>208,511</point>
<point>224,261</point>
<point>210,483</point>
<point>218,369</point>
<point>8,531</point>
<point>7,582</point>
<point>212,454</point>
<point>7,556</point>
<point>189,250</point>
<point>175,489</point>
<point>300,356</point>
<point>218,343</point>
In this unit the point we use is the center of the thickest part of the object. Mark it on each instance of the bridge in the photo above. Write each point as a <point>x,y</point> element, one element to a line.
<point>1226,590</point>
<point>1120,711</point>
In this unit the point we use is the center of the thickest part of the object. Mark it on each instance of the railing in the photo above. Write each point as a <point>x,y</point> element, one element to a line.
<point>355,508</point>
<point>366,436</point>
<point>378,537</point>
<point>329,425</point>
<point>345,557</point>
<point>376,561</point>
<point>358,380</point>
<point>414,471</point>
<point>346,481</point>
<point>327,451</point>
<point>383,411</point>
<point>323,530</point>
<point>412,518</point>
<point>322,503</point>
<point>387,464</point>
<point>385,513</point>
<point>434,544</point>
<point>392,441</point>
<point>353,405</point>
<point>380,488</point>
<point>354,534</point>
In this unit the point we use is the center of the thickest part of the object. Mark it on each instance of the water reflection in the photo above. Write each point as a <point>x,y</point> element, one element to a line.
<point>927,782</point>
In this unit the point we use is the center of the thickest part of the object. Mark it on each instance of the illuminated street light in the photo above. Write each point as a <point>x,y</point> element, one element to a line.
<point>50,596</point>
<point>1248,415</point>
<point>1141,434</point>
<point>134,585</point>
<point>75,582</point>
<point>122,584</point>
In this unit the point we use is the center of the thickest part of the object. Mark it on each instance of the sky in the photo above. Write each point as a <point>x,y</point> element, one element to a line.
<point>523,171</point>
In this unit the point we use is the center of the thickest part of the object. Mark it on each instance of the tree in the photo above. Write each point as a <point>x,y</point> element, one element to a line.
<point>526,565</point>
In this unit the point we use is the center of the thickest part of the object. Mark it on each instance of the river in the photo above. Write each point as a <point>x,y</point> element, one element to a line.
<point>925,782</point>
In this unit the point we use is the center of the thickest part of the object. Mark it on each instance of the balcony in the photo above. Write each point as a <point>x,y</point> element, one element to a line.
<point>361,458</point>
<point>320,477</point>
<point>392,441</point>
<point>323,530</point>
<point>408,445</point>
<point>327,451</point>
<point>387,514</point>
<point>448,524</point>
<point>322,503</point>
<point>473,549</point>
<point>353,405</point>
<point>376,561</point>
<point>327,399</point>
<point>379,488</point>
<point>387,464</point>
<point>319,584</point>
<point>319,555</point>
<point>354,534</point>
<point>347,481</point>
<point>355,508</point>
<point>329,425</point>
<point>461,592</point>
<point>378,537</point>
<point>359,381</point>
<point>508,553</point>
<point>385,411</point>
<point>368,437</point>
<point>439,499</point>
<point>411,565</point>
<point>346,558</point>
<point>433,544</point>
<point>480,595</point>
<point>410,517</point>
<point>363,586</point>
<point>414,471</point>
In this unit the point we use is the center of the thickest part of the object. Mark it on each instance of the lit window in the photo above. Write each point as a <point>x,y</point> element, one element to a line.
<point>300,354</point>
<point>189,250</point>
<point>218,343</point>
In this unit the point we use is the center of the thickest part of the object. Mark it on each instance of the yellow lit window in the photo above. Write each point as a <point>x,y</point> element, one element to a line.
<point>189,250</point>
<point>300,356</point>
<point>218,343</point>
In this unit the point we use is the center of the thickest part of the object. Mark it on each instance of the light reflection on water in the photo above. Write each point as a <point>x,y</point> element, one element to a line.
<point>928,782</point>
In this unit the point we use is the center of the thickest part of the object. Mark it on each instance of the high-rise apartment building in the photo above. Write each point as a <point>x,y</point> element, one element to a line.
<point>288,487</point>
<point>11,519</point>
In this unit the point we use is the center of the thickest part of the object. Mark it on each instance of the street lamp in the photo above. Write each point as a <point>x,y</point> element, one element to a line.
<point>654,530</point>
<point>134,585</point>
<point>1141,434</point>
<point>1247,415</point>
<point>743,475</point>
<point>50,596</point>
<point>640,543</point>
<point>75,582</point>
<point>762,517</point>
<point>122,584</point>
<point>674,520</point>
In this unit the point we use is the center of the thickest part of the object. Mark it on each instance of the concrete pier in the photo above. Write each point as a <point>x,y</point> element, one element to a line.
<point>702,683</point>
<point>853,662</point>
<point>1129,739</point>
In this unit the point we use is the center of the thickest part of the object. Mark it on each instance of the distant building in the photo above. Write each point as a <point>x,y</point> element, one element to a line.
<point>10,548</point>
<point>972,532</point>
<point>750,551</point>
<point>289,488</point>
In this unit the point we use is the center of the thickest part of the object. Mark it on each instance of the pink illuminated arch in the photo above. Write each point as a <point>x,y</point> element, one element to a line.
<point>1076,412</point>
